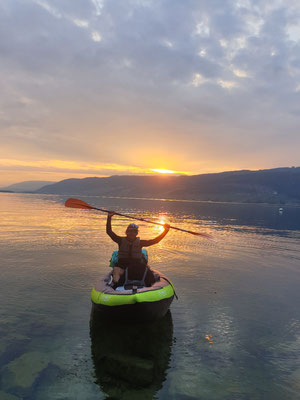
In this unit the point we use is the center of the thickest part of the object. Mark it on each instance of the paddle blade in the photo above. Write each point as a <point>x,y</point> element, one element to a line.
<point>204,235</point>
<point>76,203</point>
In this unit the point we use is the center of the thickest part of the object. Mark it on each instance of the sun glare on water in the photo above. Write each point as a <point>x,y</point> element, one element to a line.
<point>161,221</point>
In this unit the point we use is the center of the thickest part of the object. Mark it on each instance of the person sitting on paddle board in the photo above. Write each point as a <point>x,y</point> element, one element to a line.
<point>130,253</point>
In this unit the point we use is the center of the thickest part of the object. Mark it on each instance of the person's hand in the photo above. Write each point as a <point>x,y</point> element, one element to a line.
<point>167,227</point>
<point>110,213</point>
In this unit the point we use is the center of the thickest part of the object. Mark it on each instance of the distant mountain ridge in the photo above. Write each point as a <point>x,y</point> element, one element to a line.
<point>27,186</point>
<point>277,186</point>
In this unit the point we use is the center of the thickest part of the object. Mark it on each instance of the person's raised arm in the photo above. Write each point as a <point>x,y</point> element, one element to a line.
<point>109,230</point>
<point>146,243</point>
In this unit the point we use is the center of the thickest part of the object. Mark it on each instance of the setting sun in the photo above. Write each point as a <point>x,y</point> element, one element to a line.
<point>163,171</point>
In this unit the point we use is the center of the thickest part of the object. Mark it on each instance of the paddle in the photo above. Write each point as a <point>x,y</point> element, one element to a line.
<point>76,203</point>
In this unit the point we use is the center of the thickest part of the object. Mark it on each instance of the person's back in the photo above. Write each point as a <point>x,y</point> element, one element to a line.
<point>130,255</point>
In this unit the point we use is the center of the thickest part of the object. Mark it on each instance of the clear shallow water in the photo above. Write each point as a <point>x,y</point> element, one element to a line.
<point>234,333</point>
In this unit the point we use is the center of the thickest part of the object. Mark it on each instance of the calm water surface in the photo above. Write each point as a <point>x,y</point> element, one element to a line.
<point>234,333</point>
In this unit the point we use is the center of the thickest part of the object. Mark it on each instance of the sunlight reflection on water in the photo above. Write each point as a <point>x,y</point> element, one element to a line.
<point>236,324</point>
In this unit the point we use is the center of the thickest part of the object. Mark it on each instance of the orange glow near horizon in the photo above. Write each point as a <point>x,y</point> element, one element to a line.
<point>15,170</point>
<point>163,171</point>
<point>53,165</point>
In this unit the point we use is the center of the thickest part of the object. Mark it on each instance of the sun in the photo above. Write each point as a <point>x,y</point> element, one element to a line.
<point>163,171</point>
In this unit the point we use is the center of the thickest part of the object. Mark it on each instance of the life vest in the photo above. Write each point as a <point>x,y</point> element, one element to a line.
<point>130,249</point>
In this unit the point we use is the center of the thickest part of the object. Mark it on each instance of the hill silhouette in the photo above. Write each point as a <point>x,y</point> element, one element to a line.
<point>277,186</point>
<point>27,186</point>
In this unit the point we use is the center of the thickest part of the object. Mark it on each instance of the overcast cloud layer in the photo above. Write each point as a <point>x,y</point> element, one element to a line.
<point>111,86</point>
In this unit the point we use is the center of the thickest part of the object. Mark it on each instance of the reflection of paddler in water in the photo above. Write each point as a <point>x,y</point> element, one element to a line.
<point>131,359</point>
<point>131,264</point>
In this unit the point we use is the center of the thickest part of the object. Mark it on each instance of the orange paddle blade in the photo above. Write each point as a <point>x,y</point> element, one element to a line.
<point>76,203</point>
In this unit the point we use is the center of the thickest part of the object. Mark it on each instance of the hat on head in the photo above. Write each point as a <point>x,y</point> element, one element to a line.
<point>132,227</point>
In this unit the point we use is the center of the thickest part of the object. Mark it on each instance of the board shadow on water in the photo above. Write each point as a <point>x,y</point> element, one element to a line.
<point>131,359</point>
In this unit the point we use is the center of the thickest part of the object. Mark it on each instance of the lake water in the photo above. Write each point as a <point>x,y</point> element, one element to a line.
<point>234,333</point>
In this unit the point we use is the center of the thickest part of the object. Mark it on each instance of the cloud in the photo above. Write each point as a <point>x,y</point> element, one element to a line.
<point>96,36</point>
<point>102,81</point>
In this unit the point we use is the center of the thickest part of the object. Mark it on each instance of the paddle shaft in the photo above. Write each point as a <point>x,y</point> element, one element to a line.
<point>131,217</point>
<point>149,222</point>
<point>75,203</point>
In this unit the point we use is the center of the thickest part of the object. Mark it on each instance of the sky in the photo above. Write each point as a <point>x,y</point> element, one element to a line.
<point>110,87</point>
